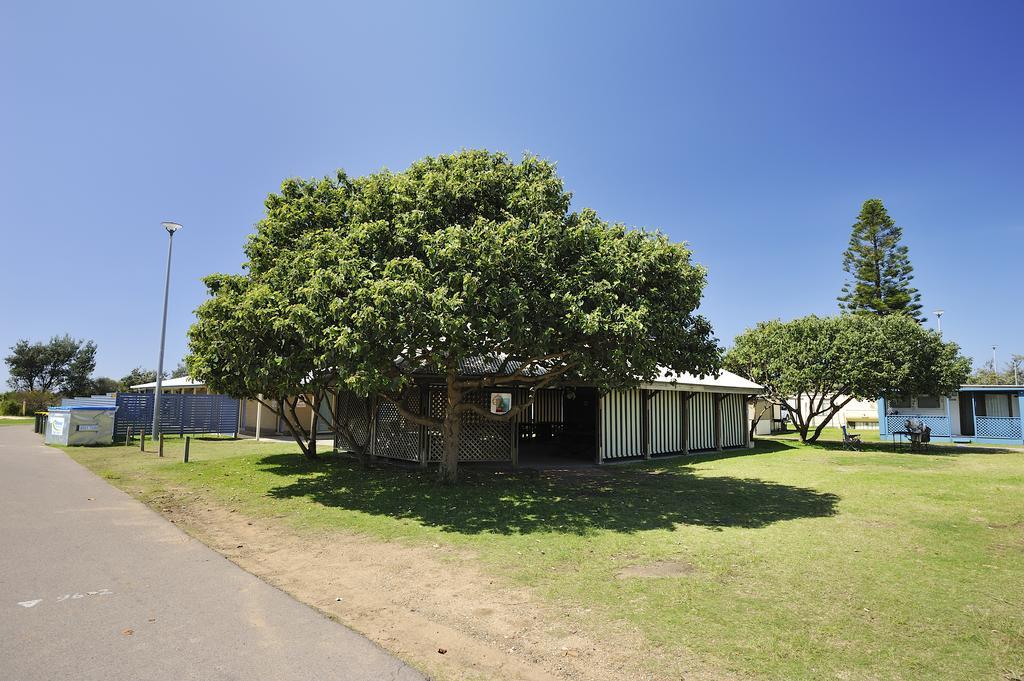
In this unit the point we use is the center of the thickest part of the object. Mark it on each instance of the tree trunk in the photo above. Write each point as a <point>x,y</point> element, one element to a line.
<point>291,421</point>
<point>313,426</point>
<point>450,430</point>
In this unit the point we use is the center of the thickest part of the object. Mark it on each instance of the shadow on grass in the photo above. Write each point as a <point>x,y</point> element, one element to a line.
<point>503,502</point>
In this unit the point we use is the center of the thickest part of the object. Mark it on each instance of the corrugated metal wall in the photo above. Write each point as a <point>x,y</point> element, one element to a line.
<point>666,422</point>
<point>702,421</point>
<point>547,408</point>
<point>734,421</point>
<point>622,419</point>
<point>620,424</point>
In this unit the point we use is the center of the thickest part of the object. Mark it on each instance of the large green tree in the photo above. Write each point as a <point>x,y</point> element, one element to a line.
<point>879,267</point>
<point>461,259</point>
<point>814,366</point>
<point>61,365</point>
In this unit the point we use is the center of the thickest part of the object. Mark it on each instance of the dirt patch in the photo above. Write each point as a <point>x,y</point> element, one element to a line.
<point>662,568</point>
<point>417,600</point>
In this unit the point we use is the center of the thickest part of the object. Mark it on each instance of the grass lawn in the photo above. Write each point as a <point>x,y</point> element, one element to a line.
<point>16,420</point>
<point>789,561</point>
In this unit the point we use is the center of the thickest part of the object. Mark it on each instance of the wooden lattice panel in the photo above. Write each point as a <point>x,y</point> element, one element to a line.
<point>396,437</point>
<point>353,414</point>
<point>481,439</point>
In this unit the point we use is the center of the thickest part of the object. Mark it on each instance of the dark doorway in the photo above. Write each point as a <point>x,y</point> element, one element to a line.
<point>967,414</point>
<point>580,433</point>
<point>572,438</point>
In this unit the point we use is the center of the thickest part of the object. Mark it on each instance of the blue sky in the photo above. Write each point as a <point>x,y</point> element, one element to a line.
<point>752,130</point>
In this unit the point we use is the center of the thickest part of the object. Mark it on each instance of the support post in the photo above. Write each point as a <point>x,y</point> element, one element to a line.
<point>188,441</point>
<point>749,401</point>
<point>718,421</point>
<point>373,428</point>
<point>974,412</point>
<point>599,450</point>
<point>949,420</point>
<point>142,440</point>
<point>259,416</point>
<point>424,431</point>
<point>1020,414</point>
<point>645,422</point>
<point>686,395</point>
<point>160,448</point>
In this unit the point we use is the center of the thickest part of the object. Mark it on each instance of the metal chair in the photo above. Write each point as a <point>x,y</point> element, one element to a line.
<point>851,442</point>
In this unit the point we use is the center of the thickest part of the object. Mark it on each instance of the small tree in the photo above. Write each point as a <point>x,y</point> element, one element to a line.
<point>879,266</point>
<point>825,362</point>
<point>63,364</point>
<point>102,385</point>
<point>180,371</point>
<point>137,376</point>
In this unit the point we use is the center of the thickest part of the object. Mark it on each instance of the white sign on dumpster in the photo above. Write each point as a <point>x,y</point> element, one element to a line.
<point>57,425</point>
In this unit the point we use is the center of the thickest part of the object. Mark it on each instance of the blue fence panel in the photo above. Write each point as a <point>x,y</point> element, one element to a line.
<point>940,425</point>
<point>179,414</point>
<point>998,427</point>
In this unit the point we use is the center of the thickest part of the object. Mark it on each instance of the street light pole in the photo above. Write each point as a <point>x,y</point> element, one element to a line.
<point>171,228</point>
<point>938,320</point>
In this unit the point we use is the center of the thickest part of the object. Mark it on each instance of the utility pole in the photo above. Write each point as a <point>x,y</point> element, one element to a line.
<point>938,320</point>
<point>171,228</point>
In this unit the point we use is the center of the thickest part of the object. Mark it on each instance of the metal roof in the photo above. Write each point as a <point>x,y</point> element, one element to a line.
<point>992,388</point>
<point>180,382</point>
<point>725,381</point>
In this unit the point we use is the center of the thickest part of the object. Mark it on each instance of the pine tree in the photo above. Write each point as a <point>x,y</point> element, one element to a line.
<point>879,267</point>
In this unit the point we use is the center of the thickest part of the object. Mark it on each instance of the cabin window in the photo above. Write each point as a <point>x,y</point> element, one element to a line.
<point>927,402</point>
<point>901,402</point>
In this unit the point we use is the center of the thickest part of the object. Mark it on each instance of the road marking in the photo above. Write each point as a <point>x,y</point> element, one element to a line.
<point>64,597</point>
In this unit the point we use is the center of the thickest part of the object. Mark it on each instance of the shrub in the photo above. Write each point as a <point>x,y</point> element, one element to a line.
<point>36,400</point>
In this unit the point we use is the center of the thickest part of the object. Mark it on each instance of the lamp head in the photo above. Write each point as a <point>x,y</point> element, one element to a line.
<point>171,227</point>
<point>939,313</point>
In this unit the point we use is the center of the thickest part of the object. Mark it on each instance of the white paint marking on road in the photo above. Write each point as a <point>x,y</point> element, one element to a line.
<point>72,596</point>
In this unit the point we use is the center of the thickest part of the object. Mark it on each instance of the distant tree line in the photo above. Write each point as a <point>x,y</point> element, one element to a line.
<point>40,373</point>
<point>1012,373</point>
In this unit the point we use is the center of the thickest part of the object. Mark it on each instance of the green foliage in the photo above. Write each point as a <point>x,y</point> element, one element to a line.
<point>102,385</point>
<point>879,266</point>
<point>35,400</point>
<point>832,360</point>
<point>459,257</point>
<point>180,371</point>
<point>9,407</point>
<point>137,376</point>
<point>1011,374</point>
<point>63,364</point>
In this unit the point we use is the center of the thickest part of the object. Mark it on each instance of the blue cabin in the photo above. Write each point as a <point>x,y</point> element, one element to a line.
<point>975,413</point>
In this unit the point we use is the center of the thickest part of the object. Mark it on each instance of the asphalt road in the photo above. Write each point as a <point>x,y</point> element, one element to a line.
<point>94,585</point>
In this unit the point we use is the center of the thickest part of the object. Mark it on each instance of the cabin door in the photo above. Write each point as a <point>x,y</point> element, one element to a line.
<point>967,414</point>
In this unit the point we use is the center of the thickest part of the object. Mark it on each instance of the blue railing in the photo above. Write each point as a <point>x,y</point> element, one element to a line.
<point>998,426</point>
<point>939,424</point>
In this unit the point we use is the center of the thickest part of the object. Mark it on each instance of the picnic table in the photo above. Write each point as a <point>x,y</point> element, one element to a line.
<point>915,438</point>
